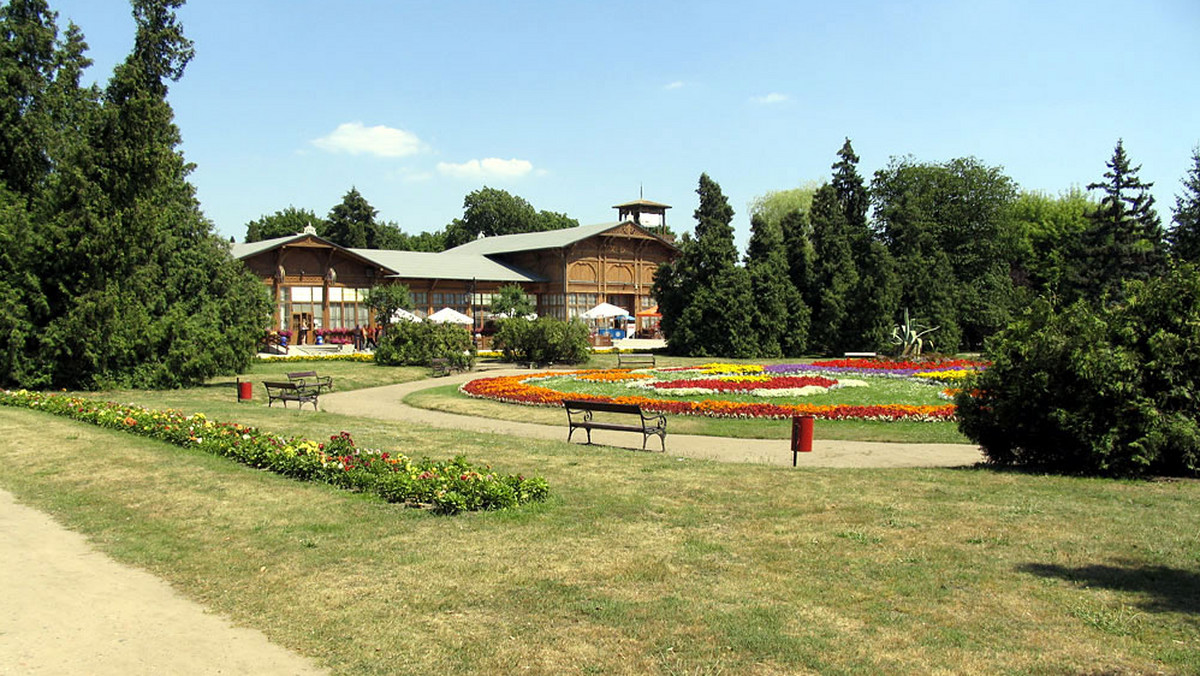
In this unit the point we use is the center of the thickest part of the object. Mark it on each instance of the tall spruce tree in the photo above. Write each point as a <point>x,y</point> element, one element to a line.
<point>1185,235</point>
<point>1125,239</point>
<point>779,317</point>
<point>138,291</point>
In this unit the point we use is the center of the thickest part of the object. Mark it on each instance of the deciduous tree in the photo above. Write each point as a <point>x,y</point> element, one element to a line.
<point>282,223</point>
<point>490,211</point>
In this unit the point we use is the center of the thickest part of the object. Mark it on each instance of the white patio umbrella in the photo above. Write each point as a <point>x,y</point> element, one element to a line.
<point>450,316</point>
<point>402,315</point>
<point>509,315</point>
<point>605,311</point>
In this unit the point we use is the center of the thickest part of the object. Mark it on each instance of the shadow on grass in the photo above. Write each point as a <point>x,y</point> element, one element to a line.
<point>1170,589</point>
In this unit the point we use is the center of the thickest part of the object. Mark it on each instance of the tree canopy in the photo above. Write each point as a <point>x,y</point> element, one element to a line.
<point>132,288</point>
<point>491,211</point>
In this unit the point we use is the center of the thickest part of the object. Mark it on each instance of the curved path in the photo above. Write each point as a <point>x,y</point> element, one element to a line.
<point>65,608</point>
<point>387,403</point>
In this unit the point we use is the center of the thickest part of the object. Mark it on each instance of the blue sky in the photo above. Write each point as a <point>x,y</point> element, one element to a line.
<point>574,105</point>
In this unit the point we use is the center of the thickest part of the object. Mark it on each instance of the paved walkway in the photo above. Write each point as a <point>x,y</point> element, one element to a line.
<point>387,403</point>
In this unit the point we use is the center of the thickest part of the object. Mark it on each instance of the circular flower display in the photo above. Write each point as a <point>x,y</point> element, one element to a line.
<point>732,390</point>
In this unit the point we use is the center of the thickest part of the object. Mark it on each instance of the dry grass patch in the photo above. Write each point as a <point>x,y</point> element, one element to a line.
<point>644,564</point>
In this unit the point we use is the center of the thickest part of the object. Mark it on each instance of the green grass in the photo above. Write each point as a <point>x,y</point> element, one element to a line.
<point>640,563</point>
<point>448,398</point>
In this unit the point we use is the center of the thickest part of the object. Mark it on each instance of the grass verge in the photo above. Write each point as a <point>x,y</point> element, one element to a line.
<point>643,563</point>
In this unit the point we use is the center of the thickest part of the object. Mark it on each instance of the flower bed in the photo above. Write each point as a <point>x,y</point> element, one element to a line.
<point>522,390</point>
<point>726,388</point>
<point>356,356</point>
<point>444,487</point>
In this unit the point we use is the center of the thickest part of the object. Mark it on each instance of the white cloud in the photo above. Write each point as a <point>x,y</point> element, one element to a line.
<point>678,84</point>
<point>356,139</point>
<point>490,167</point>
<point>773,97</point>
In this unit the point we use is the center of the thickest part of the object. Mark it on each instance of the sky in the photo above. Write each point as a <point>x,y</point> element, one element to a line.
<point>579,106</point>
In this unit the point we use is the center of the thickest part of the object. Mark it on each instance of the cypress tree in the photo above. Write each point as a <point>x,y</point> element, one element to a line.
<point>779,317</point>
<point>704,296</point>
<point>138,291</point>
<point>873,303</point>
<point>835,275</point>
<point>1185,235</point>
<point>1124,240</point>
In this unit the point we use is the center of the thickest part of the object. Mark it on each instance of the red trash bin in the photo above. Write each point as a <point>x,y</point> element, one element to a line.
<point>802,435</point>
<point>245,391</point>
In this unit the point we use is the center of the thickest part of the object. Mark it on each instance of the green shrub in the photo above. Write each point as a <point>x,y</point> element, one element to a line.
<point>543,340</point>
<point>416,343</point>
<point>1096,390</point>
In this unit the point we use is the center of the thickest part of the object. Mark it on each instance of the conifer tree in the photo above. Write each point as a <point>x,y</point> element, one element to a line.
<point>1124,240</point>
<point>138,291</point>
<point>797,242</point>
<point>873,302</point>
<point>835,276</point>
<point>704,296</point>
<point>1185,235</point>
<point>779,317</point>
<point>351,223</point>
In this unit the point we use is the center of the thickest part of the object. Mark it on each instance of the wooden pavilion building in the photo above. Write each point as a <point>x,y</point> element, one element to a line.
<point>316,284</point>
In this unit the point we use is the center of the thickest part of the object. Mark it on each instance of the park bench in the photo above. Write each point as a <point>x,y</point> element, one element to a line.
<point>633,360</point>
<point>311,380</point>
<point>859,355</point>
<point>285,392</point>
<point>439,366</point>
<point>579,416</point>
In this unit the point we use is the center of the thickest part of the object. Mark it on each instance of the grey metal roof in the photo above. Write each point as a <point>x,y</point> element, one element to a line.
<point>532,241</point>
<point>444,265</point>
<point>247,249</point>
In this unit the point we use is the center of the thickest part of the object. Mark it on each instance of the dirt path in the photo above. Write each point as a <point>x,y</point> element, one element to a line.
<point>67,609</point>
<point>387,403</point>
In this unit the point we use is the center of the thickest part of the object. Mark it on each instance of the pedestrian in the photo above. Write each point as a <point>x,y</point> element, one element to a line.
<point>359,338</point>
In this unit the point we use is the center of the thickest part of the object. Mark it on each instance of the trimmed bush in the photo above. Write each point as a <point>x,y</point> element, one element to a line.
<point>1107,390</point>
<point>417,343</point>
<point>544,340</point>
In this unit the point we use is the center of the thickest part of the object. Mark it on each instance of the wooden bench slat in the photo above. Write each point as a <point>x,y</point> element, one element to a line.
<point>651,424</point>
<point>634,359</point>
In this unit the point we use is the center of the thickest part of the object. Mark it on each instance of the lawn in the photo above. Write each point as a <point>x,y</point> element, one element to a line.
<point>640,563</point>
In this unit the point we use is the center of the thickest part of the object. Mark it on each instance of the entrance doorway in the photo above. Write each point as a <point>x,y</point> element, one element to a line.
<point>302,326</point>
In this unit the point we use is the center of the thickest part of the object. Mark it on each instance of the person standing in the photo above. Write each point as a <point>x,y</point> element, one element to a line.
<point>303,332</point>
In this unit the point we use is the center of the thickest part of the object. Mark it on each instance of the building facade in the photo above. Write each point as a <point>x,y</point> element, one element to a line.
<point>318,285</point>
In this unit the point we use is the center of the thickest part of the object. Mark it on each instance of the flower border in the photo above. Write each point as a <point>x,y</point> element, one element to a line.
<point>447,487</point>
